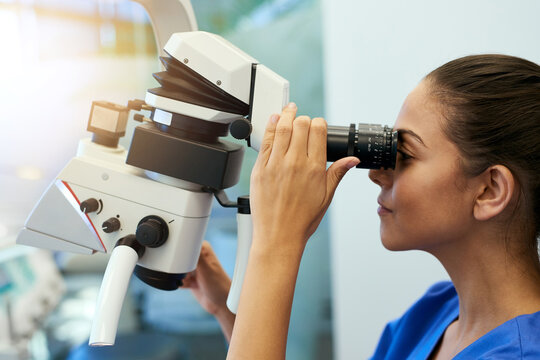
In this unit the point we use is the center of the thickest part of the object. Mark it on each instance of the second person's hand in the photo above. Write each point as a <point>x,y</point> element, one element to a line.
<point>210,285</point>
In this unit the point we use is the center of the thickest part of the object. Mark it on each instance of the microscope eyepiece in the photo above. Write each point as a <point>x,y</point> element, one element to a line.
<point>374,145</point>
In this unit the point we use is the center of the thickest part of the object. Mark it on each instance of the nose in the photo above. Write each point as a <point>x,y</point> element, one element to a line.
<point>383,178</point>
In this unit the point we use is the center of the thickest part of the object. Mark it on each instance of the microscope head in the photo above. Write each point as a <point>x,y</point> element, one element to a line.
<point>209,87</point>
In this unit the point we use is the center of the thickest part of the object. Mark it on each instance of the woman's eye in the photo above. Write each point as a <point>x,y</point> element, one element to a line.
<point>404,155</point>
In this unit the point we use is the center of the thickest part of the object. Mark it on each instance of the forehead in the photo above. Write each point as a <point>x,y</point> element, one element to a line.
<point>420,114</point>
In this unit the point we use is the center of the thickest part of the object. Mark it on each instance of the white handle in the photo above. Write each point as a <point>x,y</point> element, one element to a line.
<point>111,295</point>
<point>245,233</point>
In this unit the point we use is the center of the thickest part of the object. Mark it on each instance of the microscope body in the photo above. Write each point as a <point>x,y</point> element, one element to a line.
<point>148,206</point>
<point>124,196</point>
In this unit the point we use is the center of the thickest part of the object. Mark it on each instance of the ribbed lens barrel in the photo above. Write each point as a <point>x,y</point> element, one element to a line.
<point>374,145</point>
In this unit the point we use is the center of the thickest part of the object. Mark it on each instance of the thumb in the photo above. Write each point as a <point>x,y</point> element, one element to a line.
<point>337,171</point>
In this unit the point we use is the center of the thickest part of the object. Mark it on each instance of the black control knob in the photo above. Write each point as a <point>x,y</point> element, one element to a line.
<point>111,225</point>
<point>152,231</point>
<point>89,205</point>
<point>240,129</point>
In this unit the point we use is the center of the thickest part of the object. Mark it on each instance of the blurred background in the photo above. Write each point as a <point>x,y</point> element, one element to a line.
<point>350,61</point>
<point>56,58</point>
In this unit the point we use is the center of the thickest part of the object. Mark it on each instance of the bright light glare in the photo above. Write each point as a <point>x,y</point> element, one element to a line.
<point>29,173</point>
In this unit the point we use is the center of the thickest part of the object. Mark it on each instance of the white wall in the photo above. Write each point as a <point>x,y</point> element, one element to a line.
<point>375,53</point>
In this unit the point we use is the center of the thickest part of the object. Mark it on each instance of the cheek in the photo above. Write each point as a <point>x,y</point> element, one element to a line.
<point>428,210</point>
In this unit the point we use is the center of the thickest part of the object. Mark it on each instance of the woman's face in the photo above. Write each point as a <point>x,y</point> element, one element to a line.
<point>425,201</point>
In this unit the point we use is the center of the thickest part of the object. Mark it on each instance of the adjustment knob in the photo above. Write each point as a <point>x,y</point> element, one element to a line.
<point>240,129</point>
<point>152,231</point>
<point>111,225</point>
<point>89,205</point>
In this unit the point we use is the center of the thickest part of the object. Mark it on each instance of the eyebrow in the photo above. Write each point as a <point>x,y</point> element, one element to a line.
<point>412,133</point>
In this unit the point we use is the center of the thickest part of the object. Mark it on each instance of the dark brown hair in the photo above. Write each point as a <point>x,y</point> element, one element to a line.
<point>492,107</point>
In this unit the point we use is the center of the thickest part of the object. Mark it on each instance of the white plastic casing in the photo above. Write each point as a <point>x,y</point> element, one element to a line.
<point>57,222</point>
<point>216,59</point>
<point>245,231</point>
<point>270,96</point>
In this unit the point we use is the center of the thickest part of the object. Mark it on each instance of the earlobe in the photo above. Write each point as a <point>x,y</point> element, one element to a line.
<point>495,193</point>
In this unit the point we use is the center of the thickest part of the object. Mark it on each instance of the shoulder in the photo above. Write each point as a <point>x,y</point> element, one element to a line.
<point>528,327</point>
<point>518,338</point>
<point>414,331</point>
<point>438,300</point>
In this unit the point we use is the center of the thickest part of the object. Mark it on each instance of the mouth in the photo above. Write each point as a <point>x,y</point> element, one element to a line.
<point>382,210</point>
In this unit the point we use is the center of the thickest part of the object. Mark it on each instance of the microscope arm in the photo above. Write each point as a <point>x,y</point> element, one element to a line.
<point>169,17</point>
<point>245,231</point>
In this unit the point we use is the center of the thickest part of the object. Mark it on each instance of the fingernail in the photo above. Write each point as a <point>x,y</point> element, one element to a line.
<point>291,105</point>
<point>352,163</point>
<point>274,118</point>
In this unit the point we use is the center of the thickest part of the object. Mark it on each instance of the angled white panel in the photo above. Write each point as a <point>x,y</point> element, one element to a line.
<point>40,240</point>
<point>271,94</point>
<point>57,214</point>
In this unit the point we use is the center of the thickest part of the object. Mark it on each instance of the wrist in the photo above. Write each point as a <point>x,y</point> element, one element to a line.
<point>272,257</point>
<point>278,244</point>
<point>222,312</point>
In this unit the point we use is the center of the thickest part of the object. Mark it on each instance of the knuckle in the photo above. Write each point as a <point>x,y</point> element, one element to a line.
<point>292,165</point>
<point>313,171</point>
<point>255,177</point>
<point>266,146</point>
<point>302,120</point>
<point>318,130</point>
<point>319,124</point>
<point>283,130</point>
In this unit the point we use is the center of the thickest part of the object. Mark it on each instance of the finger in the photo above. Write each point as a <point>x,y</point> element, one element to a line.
<point>267,140</point>
<point>283,132</point>
<point>188,280</point>
<point>336,172</point>
<point>317,140</point>
<point>207,254</point>
<point>299,139</point>
<point>209,264</point>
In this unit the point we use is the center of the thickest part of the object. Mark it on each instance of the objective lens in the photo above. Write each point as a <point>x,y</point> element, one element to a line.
<point>374,145</point>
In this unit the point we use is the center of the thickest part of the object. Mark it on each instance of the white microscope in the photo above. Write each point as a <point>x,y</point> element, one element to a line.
<point>149,205</point>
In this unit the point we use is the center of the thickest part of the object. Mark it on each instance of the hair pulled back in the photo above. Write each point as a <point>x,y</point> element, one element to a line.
<point>492,107</point>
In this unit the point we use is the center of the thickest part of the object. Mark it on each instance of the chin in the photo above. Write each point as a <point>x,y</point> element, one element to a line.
<point>394,242</point>
<point>393,246</point>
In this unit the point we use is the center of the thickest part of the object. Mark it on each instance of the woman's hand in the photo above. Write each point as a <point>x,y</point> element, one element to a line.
<point>210,285</point>
<point>291,188</point>
<point>290,192</point>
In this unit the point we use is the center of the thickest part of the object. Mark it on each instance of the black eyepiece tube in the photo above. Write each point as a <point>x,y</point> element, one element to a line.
<point>374,145</point>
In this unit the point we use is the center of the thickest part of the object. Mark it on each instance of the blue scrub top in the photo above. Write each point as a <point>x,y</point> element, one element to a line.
<point>417,332</point>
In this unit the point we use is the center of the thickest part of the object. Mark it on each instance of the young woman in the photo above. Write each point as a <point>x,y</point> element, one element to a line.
<point>466,189</point>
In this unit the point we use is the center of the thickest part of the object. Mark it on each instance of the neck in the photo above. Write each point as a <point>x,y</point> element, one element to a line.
<point>493,283</point>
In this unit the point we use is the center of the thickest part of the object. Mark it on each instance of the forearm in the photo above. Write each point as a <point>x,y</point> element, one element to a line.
<point>226,320</point>
<point>262,322</point>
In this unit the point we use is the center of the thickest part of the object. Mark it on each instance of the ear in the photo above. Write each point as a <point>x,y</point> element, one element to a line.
<point>495,193</point>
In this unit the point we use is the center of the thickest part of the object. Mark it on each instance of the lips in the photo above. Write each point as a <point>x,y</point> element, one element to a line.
<point>382,208</point>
